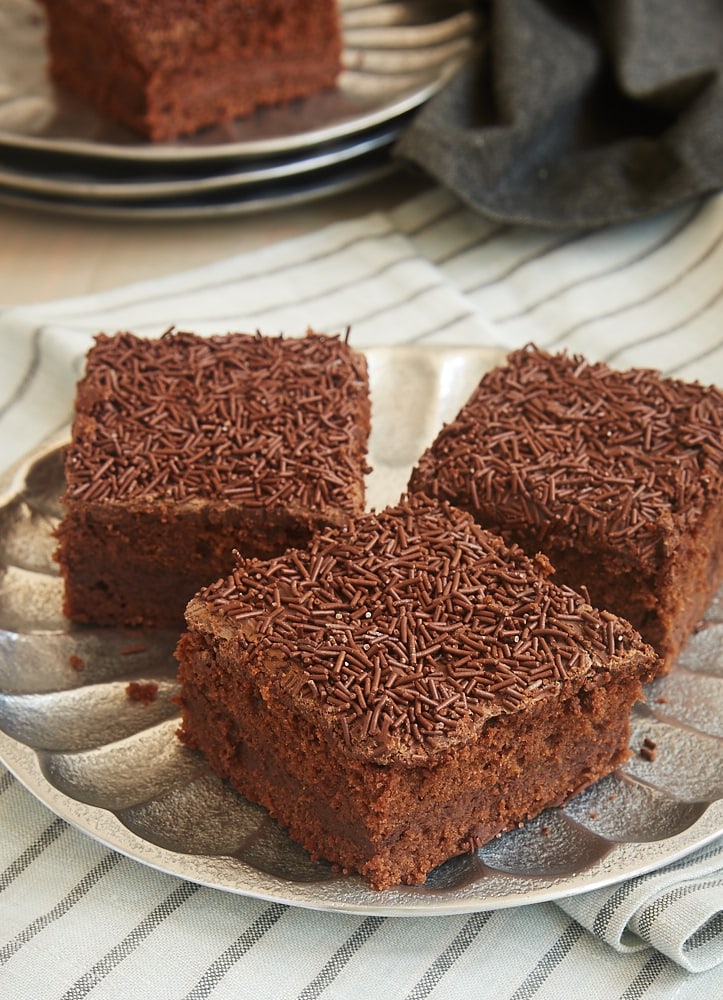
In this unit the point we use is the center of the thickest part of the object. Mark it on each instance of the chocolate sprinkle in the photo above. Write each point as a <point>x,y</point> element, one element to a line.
<point>144,692</point>
<point>258,421</point>
<point>649,749</point>
<point>411,626</point>
<point>580,450</point>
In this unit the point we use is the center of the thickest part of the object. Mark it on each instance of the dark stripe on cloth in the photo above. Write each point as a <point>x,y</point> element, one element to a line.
<point>241,946</point>
<point>87,982</point>
<point>695,358</point>
<point>237,279</point>
<point>659,244</point>
<point>32,853</point>
<point>649,914</point>
<point>446,213</point>
<point>61,908</point>
<point>444,962</point>
<point>609,908</point>
<point>458,317</point>
<point>550,961</point>
<point>418,293</point>
<point>710,930</point>
<point>474,244</point>
<point>649,296</point>
<point>646,978</point>
<point>673,328</point>
<point>294,299</point>
<point>341,957</point>
<point>528,258</point>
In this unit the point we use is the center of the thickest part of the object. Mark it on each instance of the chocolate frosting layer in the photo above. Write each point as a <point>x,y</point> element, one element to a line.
<point>554,445</point>
<point>408,629</point>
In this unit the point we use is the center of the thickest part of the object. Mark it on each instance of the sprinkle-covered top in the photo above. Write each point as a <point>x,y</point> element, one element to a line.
<point>408,629</point>
<point>558,447</point>
<point>258,421</point>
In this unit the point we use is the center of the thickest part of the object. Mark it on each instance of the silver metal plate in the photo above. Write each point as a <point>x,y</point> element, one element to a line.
<point>396,55</point>
<point>112,766</point>
<point>222,203</point>
<point>69,177</point>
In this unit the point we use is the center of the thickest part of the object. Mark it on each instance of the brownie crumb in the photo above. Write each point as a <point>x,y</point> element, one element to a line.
<point>649,749</point>
<point>76,662</point>
<point>473,842</point>
<point>145,692</point>
<point>130,650</point>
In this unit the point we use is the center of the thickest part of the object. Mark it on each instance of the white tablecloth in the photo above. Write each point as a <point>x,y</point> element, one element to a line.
<point>78,920</point>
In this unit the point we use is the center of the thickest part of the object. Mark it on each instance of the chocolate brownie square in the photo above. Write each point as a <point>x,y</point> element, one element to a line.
<point>617,476</point>
<point>185,448</point>
<point>166,68</point>
<point>405,688</point>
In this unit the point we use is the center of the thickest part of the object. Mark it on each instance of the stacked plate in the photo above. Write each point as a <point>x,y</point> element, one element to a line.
<point>57,154</point>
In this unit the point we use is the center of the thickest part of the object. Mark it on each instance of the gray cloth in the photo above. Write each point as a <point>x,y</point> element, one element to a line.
<point>579,113</point>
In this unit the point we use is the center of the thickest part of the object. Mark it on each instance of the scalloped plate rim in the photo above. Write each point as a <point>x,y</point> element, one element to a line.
<point>105,828</point>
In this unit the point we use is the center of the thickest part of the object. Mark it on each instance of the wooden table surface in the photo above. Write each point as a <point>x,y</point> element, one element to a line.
<point>45,256</point>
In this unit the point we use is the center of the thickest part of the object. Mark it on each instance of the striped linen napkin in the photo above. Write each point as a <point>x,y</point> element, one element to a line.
<point>79,920</point>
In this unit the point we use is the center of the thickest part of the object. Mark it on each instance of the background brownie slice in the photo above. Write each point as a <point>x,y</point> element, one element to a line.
<point>405,688</point>
<point>166,68</point>
<point>185,447</point>
<point>617,476</point>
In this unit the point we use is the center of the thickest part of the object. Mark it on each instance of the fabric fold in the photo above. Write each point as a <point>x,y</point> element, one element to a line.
<point>677,909</point>
<point>579,115</point>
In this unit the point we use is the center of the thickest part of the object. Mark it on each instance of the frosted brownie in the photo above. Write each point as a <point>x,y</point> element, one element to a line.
<point>405,688</point>
<point>167,68</point>
<point>186,447</point>
<point>617,476</point>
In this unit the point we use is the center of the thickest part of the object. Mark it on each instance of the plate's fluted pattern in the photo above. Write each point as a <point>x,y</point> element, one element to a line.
<point>111,764</point>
